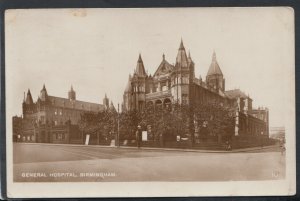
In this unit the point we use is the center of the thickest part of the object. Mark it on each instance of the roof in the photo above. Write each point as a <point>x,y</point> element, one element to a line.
<point>214,68</point>
<point>235,93</point>
<point>29,98</point>
<point>140,69</point>
<point>75,104</point>
<point>163,68</point>
<point>181,58</point>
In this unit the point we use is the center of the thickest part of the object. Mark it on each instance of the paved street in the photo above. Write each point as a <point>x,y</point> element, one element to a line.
<point>61,163</point>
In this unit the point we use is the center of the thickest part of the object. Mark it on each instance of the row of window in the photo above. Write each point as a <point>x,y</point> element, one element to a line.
<point>26,138</point>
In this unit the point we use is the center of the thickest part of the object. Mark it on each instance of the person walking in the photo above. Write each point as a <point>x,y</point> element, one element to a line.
<point>138,135</point>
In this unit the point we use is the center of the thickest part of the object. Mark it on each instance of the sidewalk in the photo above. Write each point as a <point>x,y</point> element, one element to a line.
<point>162,148</point>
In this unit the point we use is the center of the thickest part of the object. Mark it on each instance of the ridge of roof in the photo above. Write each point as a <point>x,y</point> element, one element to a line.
<point>75,104</point>
<point>235,93</point>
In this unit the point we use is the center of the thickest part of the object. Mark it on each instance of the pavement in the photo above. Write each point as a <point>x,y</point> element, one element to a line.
<point>250,149</point>
<point>64,163</point>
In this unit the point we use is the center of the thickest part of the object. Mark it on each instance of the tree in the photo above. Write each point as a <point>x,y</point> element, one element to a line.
<point>103,124</point>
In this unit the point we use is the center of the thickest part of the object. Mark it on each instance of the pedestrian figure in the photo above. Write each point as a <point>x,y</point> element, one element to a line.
<point>228,146</point>
<point>138,135</point>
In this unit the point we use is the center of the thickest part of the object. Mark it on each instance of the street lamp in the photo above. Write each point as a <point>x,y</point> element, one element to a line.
<point>118,127</point>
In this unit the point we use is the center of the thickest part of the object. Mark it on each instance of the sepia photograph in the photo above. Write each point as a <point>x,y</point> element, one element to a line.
<point>150,102</point>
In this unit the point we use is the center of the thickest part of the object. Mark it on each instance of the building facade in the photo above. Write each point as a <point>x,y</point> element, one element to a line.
<point>178,84</point>
<point>53,119</point>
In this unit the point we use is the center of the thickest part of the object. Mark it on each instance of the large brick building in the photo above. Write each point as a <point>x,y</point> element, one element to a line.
<point>52,119</point>
<point>178,84</point>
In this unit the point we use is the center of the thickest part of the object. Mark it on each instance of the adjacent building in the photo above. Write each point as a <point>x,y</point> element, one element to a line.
<point>53,119</point>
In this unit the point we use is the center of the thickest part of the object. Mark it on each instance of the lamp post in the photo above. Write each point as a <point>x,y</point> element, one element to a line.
<point>118,127</point>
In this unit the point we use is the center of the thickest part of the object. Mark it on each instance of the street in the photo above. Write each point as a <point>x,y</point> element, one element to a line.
<point>66,163</point>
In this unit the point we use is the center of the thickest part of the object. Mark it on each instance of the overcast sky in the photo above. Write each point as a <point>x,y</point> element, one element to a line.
<point>96,49</point>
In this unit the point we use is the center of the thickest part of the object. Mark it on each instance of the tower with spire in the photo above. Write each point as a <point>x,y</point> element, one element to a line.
<point>137,86</point>
<point>43,94</point>
<point>183,76</point>
<point>214,77</point>
<point>72,94</point>
<point>28,105</point>
<point>106,102</point>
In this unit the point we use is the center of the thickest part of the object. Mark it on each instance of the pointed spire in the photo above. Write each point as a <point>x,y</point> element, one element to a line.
<point>181,59</point>
<point>190,58</point>
<point>181,47</point>
<point>214,68</point>
<point>43,93</point>
<point>163,56</point>
<point>72,94</point>
<point>29,98</point>
<point>140,58</point>
<point>24,97</point>
<point>140,69</point>
<point>214,57</point>
<point>112,107</point>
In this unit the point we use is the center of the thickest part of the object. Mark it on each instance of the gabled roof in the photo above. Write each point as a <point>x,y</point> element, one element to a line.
<point>214,68</point>
<point>75,104</point>
<point>163,68</point>
<point>235,93</point>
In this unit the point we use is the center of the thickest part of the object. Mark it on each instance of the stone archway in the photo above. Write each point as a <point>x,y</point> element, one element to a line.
<point>167,103</point>
<point>158,104</point>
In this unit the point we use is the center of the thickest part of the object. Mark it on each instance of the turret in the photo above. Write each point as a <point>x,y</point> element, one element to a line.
<point>181,59</point>
<point>43,94</point>
<point>28,100</point>
<point>214,77</point>
<point>140,69</point>
<point>72,94</point>
<point>28,105</point>
<point>106,102</point>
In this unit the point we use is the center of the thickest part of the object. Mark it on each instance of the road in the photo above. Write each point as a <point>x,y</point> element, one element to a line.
<point>64,163</point>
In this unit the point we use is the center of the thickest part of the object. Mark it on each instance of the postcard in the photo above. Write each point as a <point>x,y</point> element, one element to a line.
<point>150,102</point>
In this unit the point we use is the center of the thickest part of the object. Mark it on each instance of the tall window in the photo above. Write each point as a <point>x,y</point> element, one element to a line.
<point>184,98</point>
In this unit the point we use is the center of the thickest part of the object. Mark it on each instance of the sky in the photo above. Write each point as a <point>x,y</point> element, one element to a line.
<point>95,50</point>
